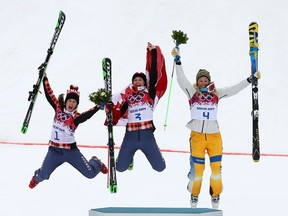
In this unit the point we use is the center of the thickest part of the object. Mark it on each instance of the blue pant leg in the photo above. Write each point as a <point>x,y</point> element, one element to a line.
<point>128,148</point>
<point>151,150</point>
<point>78,161</point>
<point>53,159</point>
<point>191,173</point>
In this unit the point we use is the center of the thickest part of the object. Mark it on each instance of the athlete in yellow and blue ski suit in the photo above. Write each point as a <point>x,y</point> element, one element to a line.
<point>205,133</point>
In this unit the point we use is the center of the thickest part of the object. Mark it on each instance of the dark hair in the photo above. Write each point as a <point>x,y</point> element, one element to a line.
<point>141,75</point>
<point>61,101</point>
<point>72,93</point>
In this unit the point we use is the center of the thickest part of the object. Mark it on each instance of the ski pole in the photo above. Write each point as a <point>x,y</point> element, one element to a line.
<point>179,37</point>
<point>169,95</point>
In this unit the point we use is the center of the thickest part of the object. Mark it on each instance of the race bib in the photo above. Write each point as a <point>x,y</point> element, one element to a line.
<point>61,134</point>
<point>204,112</point>
<point>140,113</point>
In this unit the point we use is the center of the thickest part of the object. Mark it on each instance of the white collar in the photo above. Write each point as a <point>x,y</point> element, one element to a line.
<point>67,112</point>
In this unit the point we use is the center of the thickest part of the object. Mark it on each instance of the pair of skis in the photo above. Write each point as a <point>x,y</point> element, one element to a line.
<point>106,63</point>
<point>253,52</point>
<point>107,76</point>
<point>42,69</point>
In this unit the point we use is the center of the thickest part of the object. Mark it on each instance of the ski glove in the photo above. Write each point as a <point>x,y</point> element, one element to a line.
<point>257,75</point>
<point>176,54</point>
<point>102,105</point>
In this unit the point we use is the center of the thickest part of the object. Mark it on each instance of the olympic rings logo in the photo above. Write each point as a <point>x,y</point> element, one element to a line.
<point>136,98</point>
<point>62,116</point>
<point>205,97</point>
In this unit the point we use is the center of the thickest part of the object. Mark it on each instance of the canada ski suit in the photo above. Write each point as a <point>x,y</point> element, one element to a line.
<point>139,129</point>
<point>205,133</point>
<point>62,144</point>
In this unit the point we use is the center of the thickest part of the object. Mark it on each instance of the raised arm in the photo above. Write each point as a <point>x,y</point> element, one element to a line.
<point>49,94</point>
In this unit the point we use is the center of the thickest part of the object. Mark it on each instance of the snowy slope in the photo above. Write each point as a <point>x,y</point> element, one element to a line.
<point>218,41</point>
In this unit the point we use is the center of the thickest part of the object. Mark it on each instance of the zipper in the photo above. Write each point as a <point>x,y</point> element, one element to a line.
<point>203,122</point>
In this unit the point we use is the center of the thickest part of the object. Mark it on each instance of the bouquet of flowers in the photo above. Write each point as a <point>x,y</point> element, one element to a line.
<point>100,97</point>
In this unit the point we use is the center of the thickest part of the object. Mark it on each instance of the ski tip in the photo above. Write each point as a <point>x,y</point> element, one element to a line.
<point>253,27</point>
<point>106,59</point>
<point>61,13</point>
<point>256,161</point>
<point>61,20</point>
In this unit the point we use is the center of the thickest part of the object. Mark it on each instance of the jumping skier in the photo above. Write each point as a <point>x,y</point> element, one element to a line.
<point>205,136</point>
<point>137,103</point>
<point>62,144</point>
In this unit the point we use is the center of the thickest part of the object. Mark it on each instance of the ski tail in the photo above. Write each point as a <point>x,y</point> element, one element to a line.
<point>254,47</point>
<point>107,76</point>
<point>42,68</point>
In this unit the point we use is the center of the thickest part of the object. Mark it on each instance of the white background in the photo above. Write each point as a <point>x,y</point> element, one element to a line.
<point>218,41</point>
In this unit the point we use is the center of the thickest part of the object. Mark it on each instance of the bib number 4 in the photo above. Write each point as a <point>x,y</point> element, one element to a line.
<point>206,115</point>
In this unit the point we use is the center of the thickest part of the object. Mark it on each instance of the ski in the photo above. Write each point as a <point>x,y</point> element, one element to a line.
<point>42,68</point>
<point>107,76</point>
<point>254,47</point>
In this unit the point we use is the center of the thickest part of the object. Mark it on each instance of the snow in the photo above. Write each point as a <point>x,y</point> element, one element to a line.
<point>218,41</point>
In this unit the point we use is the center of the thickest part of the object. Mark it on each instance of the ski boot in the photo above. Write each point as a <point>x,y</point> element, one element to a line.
<point>194,201</point>
<point>103,168</point>
<point>215,201</point>
<point>33,183</point>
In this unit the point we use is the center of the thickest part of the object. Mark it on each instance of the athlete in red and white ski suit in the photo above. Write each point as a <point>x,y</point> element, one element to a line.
<point>137,102</point>
<point>62,143</point>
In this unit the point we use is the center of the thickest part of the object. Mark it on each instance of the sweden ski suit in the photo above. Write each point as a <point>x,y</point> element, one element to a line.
<point>205,133</point>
